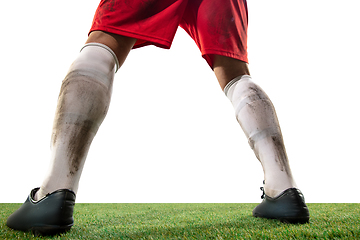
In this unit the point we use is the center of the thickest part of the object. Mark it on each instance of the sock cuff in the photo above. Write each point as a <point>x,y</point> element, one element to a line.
<point>107,48</point>
<point>232,82</point>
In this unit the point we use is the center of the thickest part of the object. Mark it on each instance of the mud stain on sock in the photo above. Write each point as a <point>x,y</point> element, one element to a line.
<point>282,158</point>
<point>77,137</point>
<point>82,106</point>
<point>79,144</point>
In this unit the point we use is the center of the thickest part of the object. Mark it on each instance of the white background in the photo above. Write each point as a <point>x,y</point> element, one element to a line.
<point>171,134</point>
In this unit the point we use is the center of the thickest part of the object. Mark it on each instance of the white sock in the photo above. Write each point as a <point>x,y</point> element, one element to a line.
<point>82,106</point>
<point>257,117</point>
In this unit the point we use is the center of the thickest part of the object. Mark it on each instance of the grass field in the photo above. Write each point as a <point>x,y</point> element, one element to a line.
<point>196,221</point>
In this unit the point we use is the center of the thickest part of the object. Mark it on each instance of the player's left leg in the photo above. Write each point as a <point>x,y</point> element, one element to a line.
<point>82,106</point>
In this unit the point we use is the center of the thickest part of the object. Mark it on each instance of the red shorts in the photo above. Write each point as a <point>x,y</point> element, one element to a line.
<point>217,26</point>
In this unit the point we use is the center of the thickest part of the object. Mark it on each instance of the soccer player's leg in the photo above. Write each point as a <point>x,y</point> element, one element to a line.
<point>226,69</point>
<point>119,44</point>
<point>82,106</point>
<point>257,117</point>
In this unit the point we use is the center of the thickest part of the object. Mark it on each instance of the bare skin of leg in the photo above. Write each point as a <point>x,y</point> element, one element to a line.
<point>226,69</point>
<point>119,44</point>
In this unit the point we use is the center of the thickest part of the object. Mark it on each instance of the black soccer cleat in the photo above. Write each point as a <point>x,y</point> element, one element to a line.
<point>51,215</point>
<point>288,207</point>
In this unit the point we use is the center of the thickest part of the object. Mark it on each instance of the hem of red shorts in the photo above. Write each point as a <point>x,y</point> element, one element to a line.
<point>206,54</point>
<point>142,40</point>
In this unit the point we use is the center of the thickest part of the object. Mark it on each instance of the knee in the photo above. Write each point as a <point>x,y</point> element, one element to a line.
<point>120,45</point>
<point>226,69</point>
<point>95,62</point>
<point>244,89</point>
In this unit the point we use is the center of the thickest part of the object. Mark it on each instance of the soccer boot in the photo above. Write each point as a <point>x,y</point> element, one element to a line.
<point>50,215</point>
<point>288,207</point>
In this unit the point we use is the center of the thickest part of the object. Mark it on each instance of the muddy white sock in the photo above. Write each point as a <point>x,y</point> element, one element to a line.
<point>257,117</point>
<point>82,105</point>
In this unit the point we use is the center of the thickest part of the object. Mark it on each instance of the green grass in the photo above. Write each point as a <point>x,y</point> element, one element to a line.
<point>196,221</point>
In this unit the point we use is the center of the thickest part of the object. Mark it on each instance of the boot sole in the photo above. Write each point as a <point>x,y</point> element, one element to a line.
<point>50,230</point>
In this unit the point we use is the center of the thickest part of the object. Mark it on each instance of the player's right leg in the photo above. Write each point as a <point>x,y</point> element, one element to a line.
<point>220,30</point>
<point>257,116</point>
<point>82,106</point>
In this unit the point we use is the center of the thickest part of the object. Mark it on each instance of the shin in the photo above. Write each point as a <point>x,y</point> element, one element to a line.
<point>257,117</point>
<point>82,105</point>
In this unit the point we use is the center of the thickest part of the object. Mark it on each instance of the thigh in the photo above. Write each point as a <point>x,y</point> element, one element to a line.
<point>149,21</point>
<point>218,27</point>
